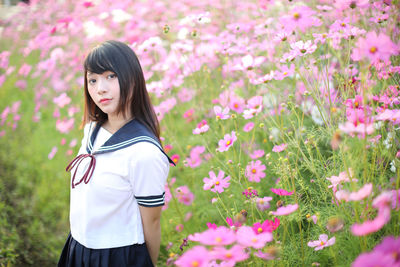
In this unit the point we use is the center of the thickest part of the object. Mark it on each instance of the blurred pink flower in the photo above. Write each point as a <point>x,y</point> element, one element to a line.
<point>248,127</point>
<point>246,237</point>
<point>24,70</point>
<point>263,203</point>
<point>300,17</point>
<point>194,160</point>
<point>184,195</point>
<point>351,4</point>
<point>285,210</point>
<point>65,125</point>
<point>364,192</point>
<point>230,256</point>
<point>300,48</point>
<point>250,192</point>
<point>175,158</point>
<point>185,94</point>
<point>374,225</point>
<point>188,115</point>
<point>52,152</point>
<point>202,127</point>
<point>216,183</point>
<point>221,114</point>
<point>322,242</point>
<point>255,171</point>
<point>62,100</point>
<point>279,148</point>
<point>257,154</point>
<point>197,256</point>
<point>211,225</point>
<point>374,258</point>
<point>374,47</point>
<point>233,224</point>
<point>227,142</point>
<point>281,192</point>
<point>221,236</point>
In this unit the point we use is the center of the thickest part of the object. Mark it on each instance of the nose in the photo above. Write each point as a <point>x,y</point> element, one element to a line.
<point>101,86</point>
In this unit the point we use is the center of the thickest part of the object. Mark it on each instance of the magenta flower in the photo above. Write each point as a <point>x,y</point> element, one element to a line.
<point>279,148</point>
<point>195,159</point>
<point>300,17</point>
<point>374,47</point>
<point>233,224</point>
<point>62,100</point>
<point>281,192</point>
<point>211,225</point>
<point>255,171</point>
<point>364,192</point>
<point>374,225</point>
<point>197,256</point>
<point>202,127</point>
<point>372,259</point>
<point>220,236</point>
<point>65,125</point>
<point>246,237</point>
<point>285,210</point>
<point>263,203</point>
<point>227,142</point>
<point>248,127</point>
<point>230,256</point>
<point>250,192</point>
<point>322,242</point>
<point>216,183</point>
<point>266,226</point>
<point>188,115</point>
<point>300,48</point>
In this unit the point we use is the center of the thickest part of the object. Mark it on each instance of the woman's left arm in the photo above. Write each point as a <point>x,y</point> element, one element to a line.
<point>152,230</point>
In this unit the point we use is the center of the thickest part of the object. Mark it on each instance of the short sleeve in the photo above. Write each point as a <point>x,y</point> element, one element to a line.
<point>148,174</point>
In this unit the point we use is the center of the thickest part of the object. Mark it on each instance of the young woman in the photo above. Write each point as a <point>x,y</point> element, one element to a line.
<point>118,177</point>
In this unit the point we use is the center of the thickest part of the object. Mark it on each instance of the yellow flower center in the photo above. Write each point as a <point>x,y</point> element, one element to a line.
<point>218,239</point>
<point>228,255</point>
<point>254,240</point>
<point>218,117</point>
<point>228,142</point>
<point>285,73</point>
<point>217,182</point>
<point>195,263</point>
<point>322,243</point>
<point>296,16</point>
<point>253,171</point>
<point>236,105</point>
<point>356,104</point>
<point>343,24</point>
<point>259,230</point>
<point>373,50</point>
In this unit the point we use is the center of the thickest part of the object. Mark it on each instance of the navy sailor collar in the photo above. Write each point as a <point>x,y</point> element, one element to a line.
<point>131,133</point>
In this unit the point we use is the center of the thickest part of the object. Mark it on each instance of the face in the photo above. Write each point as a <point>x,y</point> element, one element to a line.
<point>105,92</point>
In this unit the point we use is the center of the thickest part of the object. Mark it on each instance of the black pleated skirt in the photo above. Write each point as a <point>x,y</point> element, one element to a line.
<point>76,255</point>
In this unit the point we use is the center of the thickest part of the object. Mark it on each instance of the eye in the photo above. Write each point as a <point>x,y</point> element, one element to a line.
<point>112,76</point>
<point>92,81</point>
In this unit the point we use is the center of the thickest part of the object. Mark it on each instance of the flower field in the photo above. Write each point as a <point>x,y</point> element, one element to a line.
<point>282,117</point>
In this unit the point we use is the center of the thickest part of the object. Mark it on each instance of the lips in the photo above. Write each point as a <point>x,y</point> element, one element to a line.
<point>105,100</point>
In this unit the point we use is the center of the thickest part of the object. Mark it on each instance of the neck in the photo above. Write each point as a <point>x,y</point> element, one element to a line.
<point>114,123</point>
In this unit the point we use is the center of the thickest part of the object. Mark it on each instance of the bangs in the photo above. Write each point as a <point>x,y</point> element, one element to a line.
<point>99,61</point>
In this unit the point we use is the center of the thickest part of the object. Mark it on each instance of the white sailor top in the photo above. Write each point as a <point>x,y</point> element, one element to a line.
<point>110,177</point>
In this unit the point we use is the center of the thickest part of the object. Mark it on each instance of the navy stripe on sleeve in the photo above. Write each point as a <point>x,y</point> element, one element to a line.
<point>151,201</point>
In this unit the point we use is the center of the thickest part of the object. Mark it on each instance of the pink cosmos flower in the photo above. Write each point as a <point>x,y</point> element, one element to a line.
<point>188,115</point>
<point>360,130</point>
<point>65,125</point>
<point>248,127</point>
<point>255,171</point>
<point>246,237</point>
<point>266,226</point>
<point>202,127</point>
<point>186,94</point>
<point>364,192</point>
<point>263,203</point>
<point>279,148</point>
<point>62,100</point>
<point>284,72</point>
<point>221,236</point>
<point>233,224</point>
<point>281,192</point>
<point>374,258</point>
<point>175,158</point>
<point>374,47</point>
<point>227,142</point>
<point>216,183</point>
<point>195,159</point>
<point>221,114</point>
<point>257,154</point>
<point>250,192</point>
<point>24,70</point>
<point>300,17</point>
<point>212,226</point>
<point>229,256</point>
<point>184,195</point>
<point>197,256</point>
<point>300,48</point>
<point>285,210</point>
<point>351,4</point>
<point>322,242</point>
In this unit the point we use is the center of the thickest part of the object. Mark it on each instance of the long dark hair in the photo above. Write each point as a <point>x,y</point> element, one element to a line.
<point>119,58</point>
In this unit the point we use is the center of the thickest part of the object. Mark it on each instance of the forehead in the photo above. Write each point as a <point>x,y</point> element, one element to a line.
<point>89,74</point>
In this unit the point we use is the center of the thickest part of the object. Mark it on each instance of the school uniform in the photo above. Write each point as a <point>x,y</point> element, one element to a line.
<point>111,176</point>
